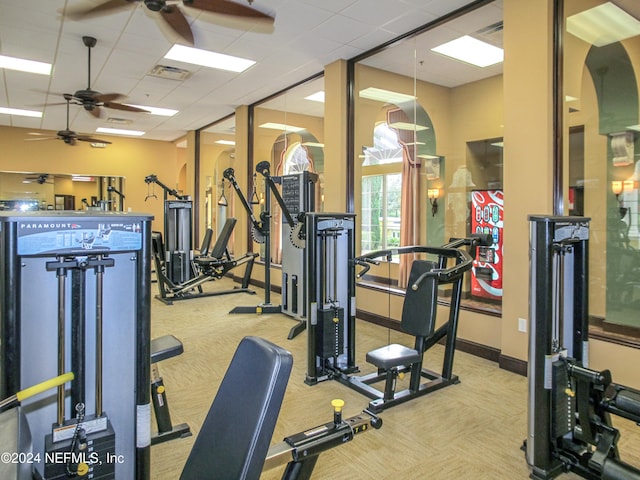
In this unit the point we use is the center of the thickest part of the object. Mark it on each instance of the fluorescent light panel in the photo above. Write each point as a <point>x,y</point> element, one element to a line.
<point>23,65</point>
<point>163,112</point>
<point>603,25</point>
<point>225,142</point>
<point>471,50</point>
<point>21,113</point>
<point>281,126</point>
<point>388,96</point>
<point>209,59</point>
<point>408,126</point>
<point>119,131</point>
<point>316,97</point>
<point>313,144</point>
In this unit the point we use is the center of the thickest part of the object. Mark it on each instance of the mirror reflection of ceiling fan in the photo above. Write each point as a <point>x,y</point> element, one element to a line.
<point>67,136</point>
<point>173,16</point>
<point>91,100</point>
<point>40,179</point>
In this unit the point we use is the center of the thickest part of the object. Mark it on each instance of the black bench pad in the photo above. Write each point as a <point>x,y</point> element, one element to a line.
<point>165,347</point>
<point>393,355</point>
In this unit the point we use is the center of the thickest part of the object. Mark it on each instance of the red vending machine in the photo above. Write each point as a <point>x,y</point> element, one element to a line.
<point>487,210</point>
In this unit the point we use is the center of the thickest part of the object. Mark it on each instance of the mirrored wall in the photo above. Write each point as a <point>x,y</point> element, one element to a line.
<point>288,133</point>
<point>428,140</point>
<point>27,191</point>
<point>601,161</point>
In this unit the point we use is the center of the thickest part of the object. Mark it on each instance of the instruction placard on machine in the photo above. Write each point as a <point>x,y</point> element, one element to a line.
<point>62,237</point>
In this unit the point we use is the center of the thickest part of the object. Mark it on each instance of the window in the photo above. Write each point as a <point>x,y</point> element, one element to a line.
<point>381,192</point>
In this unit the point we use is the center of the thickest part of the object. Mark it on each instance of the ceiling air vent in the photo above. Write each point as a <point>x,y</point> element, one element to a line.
<point>170,73</point>
<point>119,121</point>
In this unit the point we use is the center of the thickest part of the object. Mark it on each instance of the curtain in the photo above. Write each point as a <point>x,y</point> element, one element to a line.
<point>409,211</point>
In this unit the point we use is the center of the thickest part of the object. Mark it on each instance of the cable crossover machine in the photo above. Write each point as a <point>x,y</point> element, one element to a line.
<point>297,197</point>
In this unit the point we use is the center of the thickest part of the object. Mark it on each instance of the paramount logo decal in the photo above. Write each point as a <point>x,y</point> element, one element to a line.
<point>48,226</point>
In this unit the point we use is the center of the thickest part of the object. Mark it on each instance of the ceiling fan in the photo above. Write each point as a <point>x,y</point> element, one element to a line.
<point>91,100</point>
<point>67,136</point>
<point>173,16</point>
<point>40,179</point>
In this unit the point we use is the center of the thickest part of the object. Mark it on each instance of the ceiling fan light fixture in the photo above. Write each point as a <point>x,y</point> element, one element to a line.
<point>205,58</point>
<point>23,65</point>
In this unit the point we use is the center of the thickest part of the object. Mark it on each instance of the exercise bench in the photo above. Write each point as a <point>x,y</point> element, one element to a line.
<point>233,442</point>
<point>163,348</point>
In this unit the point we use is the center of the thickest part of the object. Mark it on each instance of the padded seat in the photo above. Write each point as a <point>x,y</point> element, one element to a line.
<point>165,347</point>
<point>391,356</point>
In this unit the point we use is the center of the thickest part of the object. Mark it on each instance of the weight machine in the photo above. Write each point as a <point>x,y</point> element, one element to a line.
<point>570,405</point>
<point>178,240</point>
<point>298,196</point>
<point>76,290</point>
<point>331,297</point>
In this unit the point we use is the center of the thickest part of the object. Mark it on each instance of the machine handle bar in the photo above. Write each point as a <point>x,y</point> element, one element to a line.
<point>36,389</point>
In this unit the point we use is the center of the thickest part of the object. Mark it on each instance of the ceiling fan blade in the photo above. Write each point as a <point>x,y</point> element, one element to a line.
<point>107,97</point>
<point>83,138</point>
<point>105,8</point>
<point>228,8</point>
<point>36,139</point>
<point>174,17</point>
<point>126,108</point>
<point>95,111</point>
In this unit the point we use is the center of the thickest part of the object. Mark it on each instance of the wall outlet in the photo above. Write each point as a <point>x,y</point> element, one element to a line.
<point>522,325</point>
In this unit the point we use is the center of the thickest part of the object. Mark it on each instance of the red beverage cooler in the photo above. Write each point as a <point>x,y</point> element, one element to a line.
<point>487,210</point>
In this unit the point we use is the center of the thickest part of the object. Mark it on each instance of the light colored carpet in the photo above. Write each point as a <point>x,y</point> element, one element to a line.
<point>472,430</point>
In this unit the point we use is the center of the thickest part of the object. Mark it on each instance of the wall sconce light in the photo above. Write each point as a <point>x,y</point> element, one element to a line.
<point>616,187</point>
<point>433,194</point>
<point>222,201</point>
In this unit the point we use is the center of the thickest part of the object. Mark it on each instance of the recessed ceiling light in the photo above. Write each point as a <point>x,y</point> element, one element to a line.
<point>382,95</point>
<point>603,25</point>
<point>470,50</point>
<point>225,142</point>
<point>19,112</point>
<point>316,97</point>
<point>206,58</point>
<point>23,65</point>
<point>119,131</point>
<point>163,112</point>
<point>281,126</point>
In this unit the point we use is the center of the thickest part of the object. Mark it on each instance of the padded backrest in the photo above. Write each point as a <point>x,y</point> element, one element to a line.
<point>235,437</point>
<point>223,239</point>
<point>157,246</point>
<point>419,308</point>
<point>206,242</point>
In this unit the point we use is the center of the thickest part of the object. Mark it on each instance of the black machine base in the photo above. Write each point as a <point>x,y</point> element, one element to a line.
<point>266,309</point>
<point>387,399</point>
<point>169,299</point>
<point>178,431</point>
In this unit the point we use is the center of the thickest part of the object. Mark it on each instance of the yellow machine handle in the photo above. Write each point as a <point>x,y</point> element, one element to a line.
<point>38,388</point>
